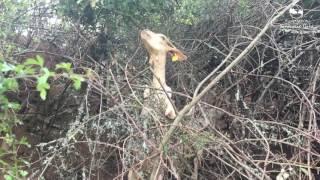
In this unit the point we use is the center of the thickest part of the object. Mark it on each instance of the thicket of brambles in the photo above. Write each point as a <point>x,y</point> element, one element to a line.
<point>73,72</point>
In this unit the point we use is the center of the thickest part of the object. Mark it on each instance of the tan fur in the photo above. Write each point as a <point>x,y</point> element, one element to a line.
<point>158,46</point>
<point>157,98</point>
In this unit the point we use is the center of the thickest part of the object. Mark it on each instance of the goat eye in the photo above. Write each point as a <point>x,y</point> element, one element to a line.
<point>163,38</point>
<point>169,45</point>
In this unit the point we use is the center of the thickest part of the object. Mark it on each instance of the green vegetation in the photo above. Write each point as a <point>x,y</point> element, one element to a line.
<point>73,75</point>
<point>11,74</point>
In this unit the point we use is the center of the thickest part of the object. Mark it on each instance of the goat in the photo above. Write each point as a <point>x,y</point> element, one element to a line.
<point>157,99</point>
<point>158,46</point>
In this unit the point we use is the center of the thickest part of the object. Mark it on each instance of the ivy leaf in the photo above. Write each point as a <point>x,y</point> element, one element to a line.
<point>42,83</point>
<point>45,71</point>
<point>77,79</point>
<point>24,141</point>
<point>29,70</point>
<point>43,94</point>
<point>8,177</point>
<point>3,99</point>
<point>10,84</point>
<point>23,173</point>
<point>77,84</point>
<point>3,102</point>
<point>64,66</point>
<point>13,105</point>
<point>43,86</point>
<point>5,67</point>
<point>37,61</point>
<point>40,60</point>
<point>19,69</point>
<point>31,61</point>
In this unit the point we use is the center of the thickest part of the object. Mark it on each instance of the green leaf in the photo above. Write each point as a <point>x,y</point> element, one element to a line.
<point>31,61</point>
<point>13,105</point>
<point>41,80</point>
<point>10,84</point>
<point>43,94</point>
<point>40,60</point>
<point>23,173</point>
<point>47,72</point>
<point>77,79</point>
<point>3,99</point>
<point>8,177</point>
<point>19,69</point>
<point>22,69</point>
<point>77,84</point>
<point>29,70</point>
<point>24,141</point>
<point>5,67</point>
<point>64,66</point>
<point>42,84</point>
<point>9,139</point>
<point>37,61</point>
<point>77,76</point>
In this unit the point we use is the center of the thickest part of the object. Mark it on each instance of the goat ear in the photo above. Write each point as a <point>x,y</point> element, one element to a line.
<point>177,55</point>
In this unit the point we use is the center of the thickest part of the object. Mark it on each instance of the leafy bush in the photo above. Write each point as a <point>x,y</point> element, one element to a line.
<point>10,74</point>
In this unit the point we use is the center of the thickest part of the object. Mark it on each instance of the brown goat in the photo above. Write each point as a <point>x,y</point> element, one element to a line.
<point>158,46</point>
